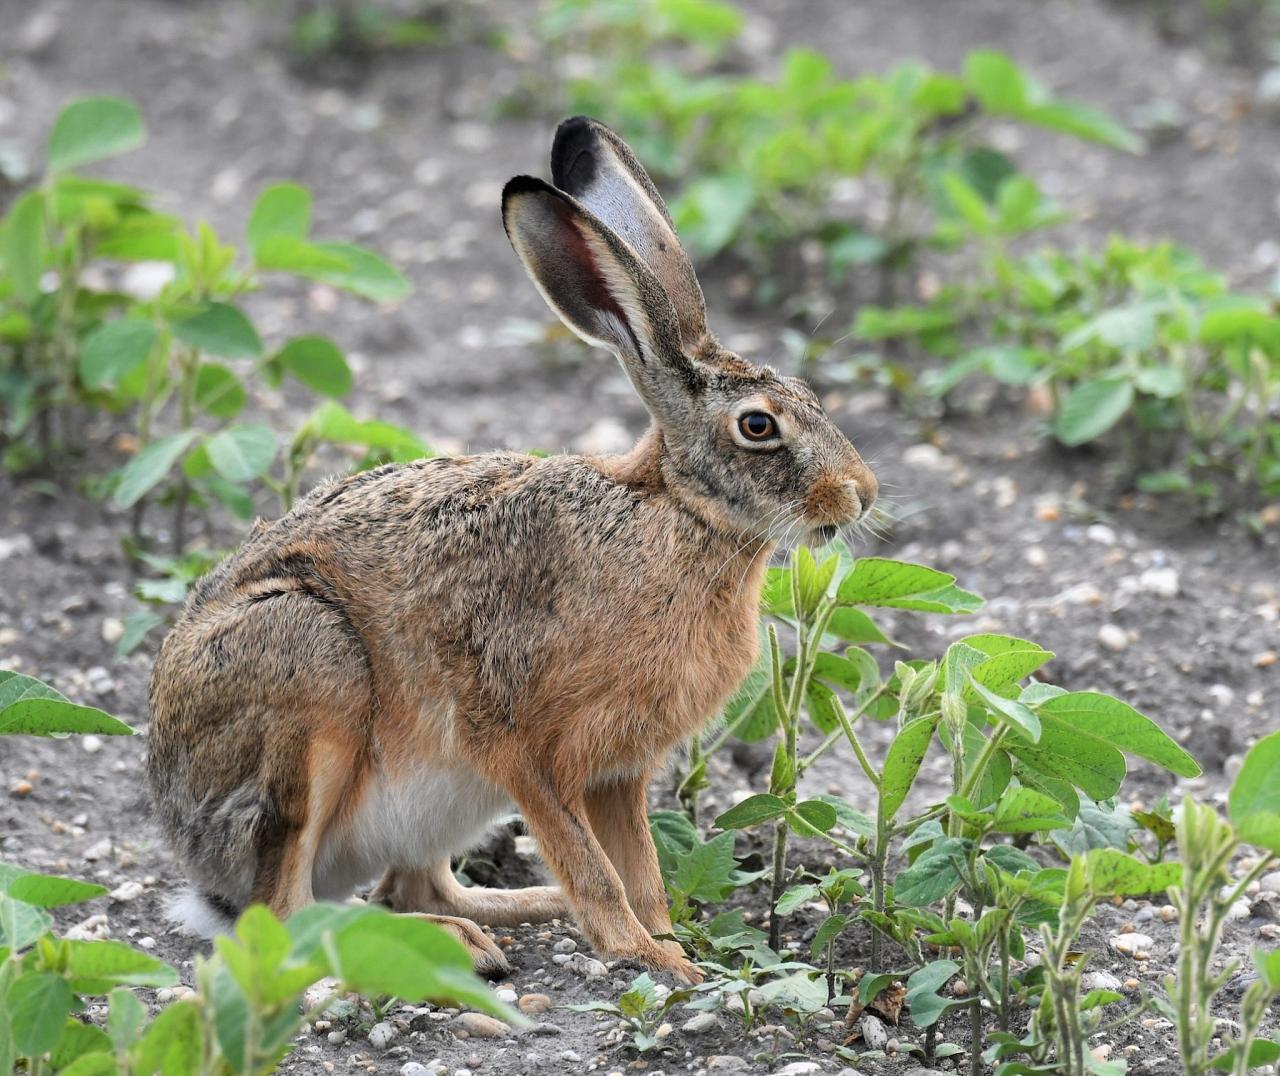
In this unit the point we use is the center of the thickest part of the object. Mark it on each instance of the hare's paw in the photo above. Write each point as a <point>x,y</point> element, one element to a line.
<point>488,960</point>
<point>670,957</point>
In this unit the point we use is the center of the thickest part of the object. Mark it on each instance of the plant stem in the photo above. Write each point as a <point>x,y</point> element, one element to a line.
<point>779,873</point>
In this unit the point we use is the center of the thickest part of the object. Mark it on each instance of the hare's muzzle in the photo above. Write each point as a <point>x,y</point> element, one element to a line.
<point>839,498</point>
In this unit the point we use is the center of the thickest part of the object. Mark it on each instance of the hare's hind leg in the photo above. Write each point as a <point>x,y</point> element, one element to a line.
<point>434,889</point>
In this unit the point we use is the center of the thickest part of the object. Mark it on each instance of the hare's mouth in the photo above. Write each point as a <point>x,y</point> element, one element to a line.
<point>824,533</point>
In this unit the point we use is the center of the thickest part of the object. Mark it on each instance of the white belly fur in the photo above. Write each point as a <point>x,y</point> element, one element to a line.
<point>412,823</point>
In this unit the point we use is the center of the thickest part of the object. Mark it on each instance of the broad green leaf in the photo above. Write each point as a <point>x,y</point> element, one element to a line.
<point>1083,121</point>
<point>1254,802</point>
<point>902,763</point>
<point>828,931</point>
<point>114,351</point>
<point>281,209</point>
<point>708,872</point>
<point>751,812</point>
<point>333,423</point>
<point>318,363</point>
<point>21,924</point>
<point>242,453</point>
<point>1261,1052</point>
<point>931,877</point>
<point>810,815</point>
<point>1009,659</point>
<point>968,203</point>
<point>1024,810</point>
<point>750,712</point>
<point>173,1043</point>
<point>39,1003</point>
<point>899,585</point>
<point>94,967</point>
<point>1096,827</point>
<point>54,717</point>
<point>854,626</point>
<point>23,246</point>
<point>997,82</point>
<point>1118,723</point>
<point>1092,408</point>
<point>849,817</point>
<point>363,273</point>
<point>923,1000</point>
<point>93,129</point>
<point>125,1017</point>
<point>45,890</point>
<point>794,897</point>
<point>1094,766</point>
<point>1112,873</point>
<point>1127,328</point>
<point>219,391</point>
<point>85,1044</point>
<point>220,329</point>
<point>151,466</point>
<point>1020,718</point>
<point>822,706</point>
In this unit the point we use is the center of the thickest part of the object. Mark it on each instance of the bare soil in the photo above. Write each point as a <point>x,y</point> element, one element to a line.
<point>408,153</point>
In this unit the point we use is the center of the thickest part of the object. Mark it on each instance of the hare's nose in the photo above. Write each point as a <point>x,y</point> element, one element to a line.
<point>863,489</point>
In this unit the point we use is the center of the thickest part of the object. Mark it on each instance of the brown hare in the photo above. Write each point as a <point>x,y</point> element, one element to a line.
<point>372,680</point>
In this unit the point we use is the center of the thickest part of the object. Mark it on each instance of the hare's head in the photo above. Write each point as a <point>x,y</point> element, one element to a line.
<point>746,448</point>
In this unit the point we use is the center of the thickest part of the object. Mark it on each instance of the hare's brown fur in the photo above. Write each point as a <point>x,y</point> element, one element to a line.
<point>371,680</point>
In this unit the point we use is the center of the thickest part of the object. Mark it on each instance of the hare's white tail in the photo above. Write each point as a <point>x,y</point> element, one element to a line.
<point>202,914</point>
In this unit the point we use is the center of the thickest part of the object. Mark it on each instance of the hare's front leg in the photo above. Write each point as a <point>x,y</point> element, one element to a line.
<point>619,811</point>
<point>556,811</point>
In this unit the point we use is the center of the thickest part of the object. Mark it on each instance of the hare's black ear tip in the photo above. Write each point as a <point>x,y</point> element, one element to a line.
<point>572,162</point>
<point>519,186</point>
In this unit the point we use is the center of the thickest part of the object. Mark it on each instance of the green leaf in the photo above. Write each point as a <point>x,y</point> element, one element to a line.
<point>810,815</point>
<point>318,363</point>
<point>173,1044</point>
<point>39,1004</point>
<point>794,897</point>
<point>931,877</point>
<point>23,246</point>
<point>1018,716</point>
<point>85,1044</point>
<point>899,585</point>
<point>45,890</point>
<point>411,959</point>
<point>1254,801</point>
<point>125,1017</point>
<point>828,931</point>
<point>94,967</point>
<point>93,129</point>
<point>218,391</point>
<point>849,817</point>
<point>1097,827</point>
<point>114,351</point>
<point>1261,1052</point>
<point>751,812</point>
<point>363,273</point>
<point>1113,873</point>
<point>1092,765</point>
<point>923,1001</point>
<point>1092,408</point>
<point>854,626</point>
<point>813,578</point>
<point>707,872</point>
<point>242,453</point>
<point>1106,718</point>
<point>968,203</point>
<point>822,706</point>
<point>281,209</point>
<point>220,329</point>
<point>21,924</point>
<point>902,763</point>
<point>151,466</point>
<point>1024,810</point>
<point>28,707</point>
<point>1128,328</point>
<point>333,423</point>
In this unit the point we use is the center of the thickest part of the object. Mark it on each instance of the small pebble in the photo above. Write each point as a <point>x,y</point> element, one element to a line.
<point>530,1004</point>
<point>482,1026</point>
<point>1131,945</point>
<point>382,1035</point>
<point>506,995</point>
<point>1113,637</point>
<point>1099,980</point>
<point>1270,883</point>
<point>126,892</point>
<point>92,744</point>
<point>696,1025</point>
<point>565,945</point>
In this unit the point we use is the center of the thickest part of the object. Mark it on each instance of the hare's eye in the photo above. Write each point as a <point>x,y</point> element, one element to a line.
<point>758,426</point>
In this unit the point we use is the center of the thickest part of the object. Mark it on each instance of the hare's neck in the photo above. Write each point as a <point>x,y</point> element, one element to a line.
<point>641,468</point>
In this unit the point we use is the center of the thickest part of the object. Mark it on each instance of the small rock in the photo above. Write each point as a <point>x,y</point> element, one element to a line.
<point>1162,582</point>
<point>382,1035</point>
<point>21,789</point>
<point>92,744</point>
<point>799,1068</point>
<point>726,1063</point>
<point>572,1056</point>
<point>1270,883</point>
<point>924,455</point>
<point>1100,533</point>
<point>1239,911</point>
<point>565,945</point>
<point>94,928</point>
<point>1099,980</point>
<point>1036,557</point>
<point>20,545</point>
<point>506,995</point>
<point>530,1004</point>
<point>696,1025</point>
<point>481,1026</point>
<point>1113,637</point>
<point>1266,659</point>
<point>99,850</point>
<point>337,1038</point>
<point>593,969</point>
<point>1131,945</point>
<point>128,891</point>
<point>874,1033</point>
<point>1144,915</point>
<point>112,630</point>
<point>414,1068</point>
<point>1168,913</point>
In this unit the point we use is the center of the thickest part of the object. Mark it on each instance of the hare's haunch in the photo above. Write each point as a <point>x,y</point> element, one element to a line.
<point>372,680</point>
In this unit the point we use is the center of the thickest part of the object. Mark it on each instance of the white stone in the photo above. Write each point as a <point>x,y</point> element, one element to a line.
<point>1036,557</point>
<point>1100,533</point>
<point>99,850</point>
<point>873,1032</point>
<point>704,1021</point>
<point>924,455</point>
<point>127,892</point>
<point>112,630</point>
<point>1100,980</point>
<point>565,945</point>
<point>17,546</point>
<point>1162,582</point>
<point>91,743</point>
<point>1113,637</point>
<point>1270,883</point>
<point>382,1035</point>
<point>1132,944</point>
<point>799,1068</point>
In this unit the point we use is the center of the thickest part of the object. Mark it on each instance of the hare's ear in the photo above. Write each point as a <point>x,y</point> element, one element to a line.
<point>594,165</point>
<point>602,291</point>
